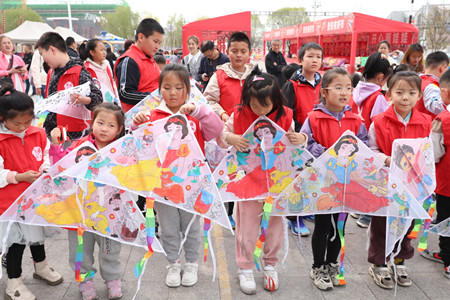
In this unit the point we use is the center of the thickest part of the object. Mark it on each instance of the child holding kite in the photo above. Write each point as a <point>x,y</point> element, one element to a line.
<point>107,125</point>
<point>261,96</point>
<point>23,158</point>
<point>324,126</point>
<point>174,86</point>
<point>401,120</point>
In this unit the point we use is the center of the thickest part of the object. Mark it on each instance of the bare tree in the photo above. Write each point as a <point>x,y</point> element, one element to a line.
<point>437,24</point>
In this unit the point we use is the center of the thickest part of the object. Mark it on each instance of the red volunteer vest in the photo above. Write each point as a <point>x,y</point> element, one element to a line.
<point>69,79</point>
<point>93,75</point>
<point>388,128</point>
<point>159,114</point>
<point>21,156</point>
<point>230,91</point>
<point>443,167</point>
<point>420,105</point>
<point>327,130</point>
<point>148,68</point>
<point>243,119</point>
<point>305,98</point>
<point>367,106</point>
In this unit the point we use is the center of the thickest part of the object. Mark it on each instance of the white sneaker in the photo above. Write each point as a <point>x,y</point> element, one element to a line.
<point>270,278</point>
<point>321,278</point>
<point>190,274</point>
<point>246,281</point>
<point>173,278</point>
<point>16,290</point>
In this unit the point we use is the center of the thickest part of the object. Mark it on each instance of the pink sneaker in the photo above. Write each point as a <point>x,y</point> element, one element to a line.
<point>87,290</point>
<point>114,289</point>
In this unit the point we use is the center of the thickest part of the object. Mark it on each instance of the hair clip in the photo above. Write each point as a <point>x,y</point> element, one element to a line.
<point>256,78</point>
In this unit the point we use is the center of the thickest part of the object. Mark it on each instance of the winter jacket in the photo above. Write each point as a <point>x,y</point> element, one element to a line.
<point>224,89</point>
<point>278,58</point>
<point>210,66</point>
<point>431,102</point>
<point>324,127</point>
<point>103,74</point>
<point>137,75</point>
<point>301,96</point>
<point>192,63</point>
<point>37,70</point>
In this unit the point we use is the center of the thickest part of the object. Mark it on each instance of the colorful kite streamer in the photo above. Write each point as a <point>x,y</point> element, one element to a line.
<point>267,209</point>
<point>150,229</point>
<point>79,259</point>
<point>206,228</point>
<point>340,228</point>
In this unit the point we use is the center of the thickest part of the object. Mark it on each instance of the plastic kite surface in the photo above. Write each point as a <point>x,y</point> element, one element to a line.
<point>60,103</point>
<point>64,202</point>
<point>442,228</point>
<point>348,177</point>
<point>108,95</point>
<point>161,160</point>
<point>268,166</point>
<point>152,101</point>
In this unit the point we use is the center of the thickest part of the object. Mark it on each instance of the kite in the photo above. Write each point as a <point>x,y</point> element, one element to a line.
<point>161,160</point>
<point>265,169</point>
<point>60,103</point>
<point>108,95</point>
<point>442,228</point>
<point>152,101</point>
<point>348,178</point>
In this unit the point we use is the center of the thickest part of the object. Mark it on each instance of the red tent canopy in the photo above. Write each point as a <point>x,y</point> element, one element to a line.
<point>348,36</point>
<point>217,29</point>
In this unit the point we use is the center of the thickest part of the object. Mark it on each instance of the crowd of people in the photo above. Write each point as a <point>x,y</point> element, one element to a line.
<point>389,100</point>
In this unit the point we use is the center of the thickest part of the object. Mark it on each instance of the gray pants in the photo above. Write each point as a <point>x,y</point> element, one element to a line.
<point>173,223</point>
<point>108,255</point>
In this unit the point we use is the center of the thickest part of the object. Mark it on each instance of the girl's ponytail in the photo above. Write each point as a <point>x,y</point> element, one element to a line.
<point>13,103</point>
<point>6,88</point>
<point>376,64</point>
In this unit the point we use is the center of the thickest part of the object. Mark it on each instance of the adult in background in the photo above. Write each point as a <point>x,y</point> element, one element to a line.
<point>212,58</point>
<point>110,57</point>
<point>275,61</point>
<point>136,72</point>
<point>126,46</point>
<point>27,60</point>
<point>71,47</point>
<point>38,73</point>
<point>192,60</point>
<point>12,67</point>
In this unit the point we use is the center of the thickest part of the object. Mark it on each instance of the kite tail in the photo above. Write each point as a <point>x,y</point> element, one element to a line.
<point>267,209</point>
<point>206,228</point>
<point>423,242</point>
<point>414,232</point>
<point>211,250</point>
<point>79,259</point>
<point>150,231</point>
<point>340,228</point>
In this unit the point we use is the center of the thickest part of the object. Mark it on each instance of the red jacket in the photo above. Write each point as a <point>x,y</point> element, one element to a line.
<point>21,156</point>
<point>420,105</point>
<point>158,114</point>
<point>230,91</point>
<point>305,98</point>
<point>388,128</point>
<point>327,129</point>
<point>443,167</point>
<point>69,79</point>
<point>367,106</point>
<point>148,68</point>
<point>243,119</point>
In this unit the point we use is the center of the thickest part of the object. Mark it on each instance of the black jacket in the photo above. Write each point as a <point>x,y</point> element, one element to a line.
<point>209,66</point>
<point>278,58</point>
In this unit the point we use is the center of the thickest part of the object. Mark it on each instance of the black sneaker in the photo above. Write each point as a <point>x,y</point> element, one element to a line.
<point>432,255</point>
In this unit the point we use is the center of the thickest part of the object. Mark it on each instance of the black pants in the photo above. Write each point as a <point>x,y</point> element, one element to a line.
<point>443,212</point>
<point>14,258</point>
<point>321,242</point>
<point>230,208</point>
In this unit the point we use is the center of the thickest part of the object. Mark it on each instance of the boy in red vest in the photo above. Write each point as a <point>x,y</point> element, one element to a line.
<point>65,73</point>
<point>225,86</point>
<point>136,71</point>
<point>436,64</point>
<point>302,90</point>
<point>440,134</point>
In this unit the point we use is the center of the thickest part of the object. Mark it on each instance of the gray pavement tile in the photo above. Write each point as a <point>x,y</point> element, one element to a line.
<point>412,292</point>
<point>355,286</point>
<point>433,284</point>
<point>297,287</point>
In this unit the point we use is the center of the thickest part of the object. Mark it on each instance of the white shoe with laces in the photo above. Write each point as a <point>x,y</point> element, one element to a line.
<point>190,274</point>
<point>246,281</point>
<point>173,278</point>
<point>270,278</point>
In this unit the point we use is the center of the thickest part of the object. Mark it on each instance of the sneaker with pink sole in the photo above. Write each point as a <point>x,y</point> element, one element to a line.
<point>114,289</point>
<point>87,290</point>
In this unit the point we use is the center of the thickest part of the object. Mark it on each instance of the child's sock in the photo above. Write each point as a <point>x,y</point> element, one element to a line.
<point>399,261</point>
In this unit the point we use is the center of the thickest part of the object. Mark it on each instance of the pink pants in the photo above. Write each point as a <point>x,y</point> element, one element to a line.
<point>248,221</point>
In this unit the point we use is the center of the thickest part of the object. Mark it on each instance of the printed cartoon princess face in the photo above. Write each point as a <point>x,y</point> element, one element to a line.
<point>345,150</point>
<point>347,146</point>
